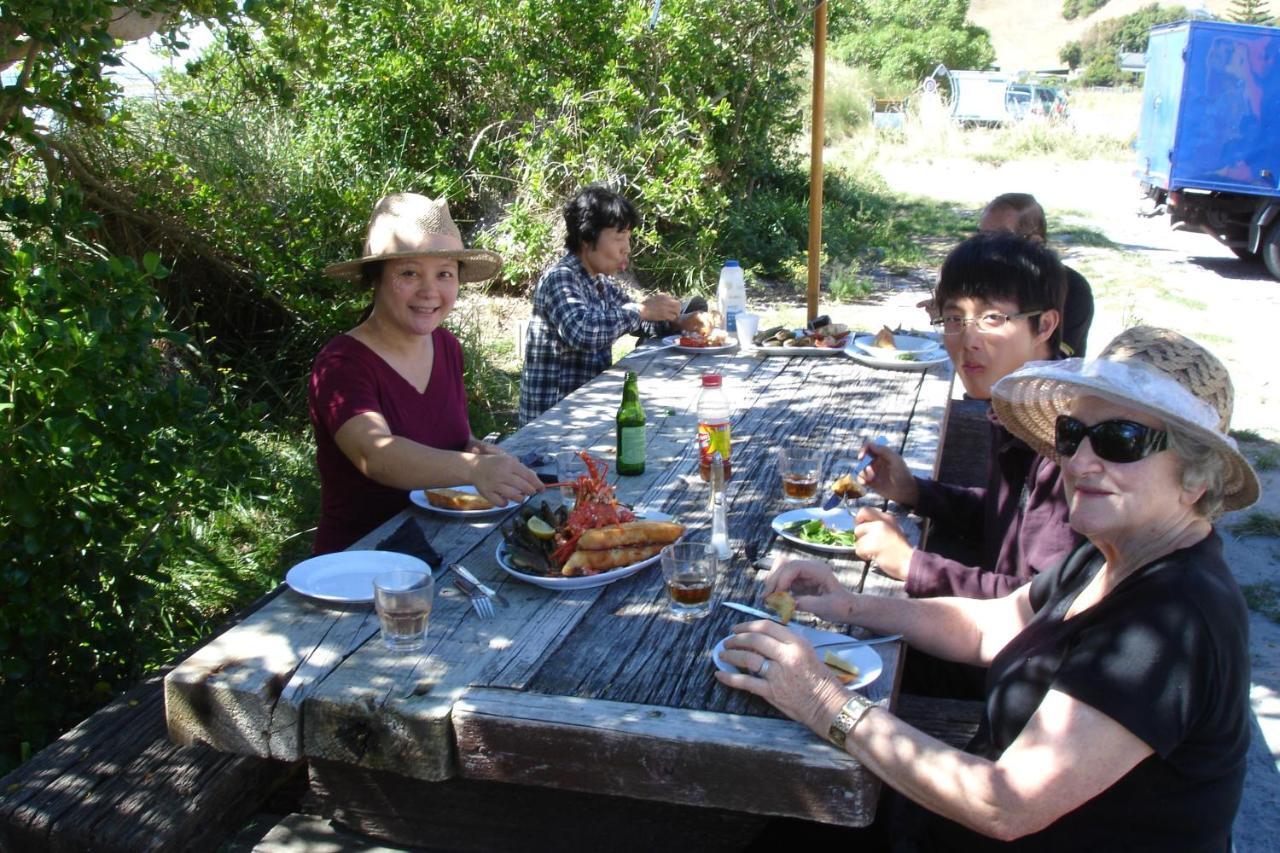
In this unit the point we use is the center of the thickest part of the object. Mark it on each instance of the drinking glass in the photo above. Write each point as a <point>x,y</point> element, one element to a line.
<point>403,601</point>
<point>689,569</point>
<point>799,468</point>
<point>748,325</point>
<point>569,467</point>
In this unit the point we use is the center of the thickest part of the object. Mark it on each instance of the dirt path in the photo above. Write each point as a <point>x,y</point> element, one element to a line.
<point>1190,283</point>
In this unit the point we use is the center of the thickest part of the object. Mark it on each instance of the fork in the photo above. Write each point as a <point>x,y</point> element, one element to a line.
<point>480,602</point>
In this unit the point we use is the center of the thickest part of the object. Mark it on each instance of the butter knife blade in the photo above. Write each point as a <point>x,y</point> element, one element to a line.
<point>850,642</point>
<point>466,575</point>
<point>751,611</point>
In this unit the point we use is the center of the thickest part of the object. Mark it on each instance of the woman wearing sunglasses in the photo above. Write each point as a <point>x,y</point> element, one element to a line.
<point>1117,692</point>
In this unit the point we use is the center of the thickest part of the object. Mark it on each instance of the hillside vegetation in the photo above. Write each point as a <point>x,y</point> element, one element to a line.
<point>1029,36</point>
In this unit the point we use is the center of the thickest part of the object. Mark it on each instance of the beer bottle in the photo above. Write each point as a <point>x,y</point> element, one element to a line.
<point>630,428</point>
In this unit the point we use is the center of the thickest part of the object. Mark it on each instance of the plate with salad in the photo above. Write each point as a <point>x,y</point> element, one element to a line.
<point>829,530</point>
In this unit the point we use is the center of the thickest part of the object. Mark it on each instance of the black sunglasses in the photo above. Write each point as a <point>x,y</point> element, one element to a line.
<point>1114,441</point>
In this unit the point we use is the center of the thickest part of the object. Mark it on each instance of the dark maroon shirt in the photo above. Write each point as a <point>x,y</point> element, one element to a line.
<point>349,379</point>
<point>1020,516</point>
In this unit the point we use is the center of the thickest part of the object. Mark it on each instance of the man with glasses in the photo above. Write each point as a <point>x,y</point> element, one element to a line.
<point>1000,303</point>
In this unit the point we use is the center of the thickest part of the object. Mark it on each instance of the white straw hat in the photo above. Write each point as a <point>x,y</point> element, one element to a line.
<point>408,225</point>
<point>1152,370</point>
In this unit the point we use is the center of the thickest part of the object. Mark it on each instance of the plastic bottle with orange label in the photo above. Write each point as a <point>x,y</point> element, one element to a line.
<point>713,426</point>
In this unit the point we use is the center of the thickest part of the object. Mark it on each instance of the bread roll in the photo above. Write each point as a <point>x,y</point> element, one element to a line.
<point>595,562</point>
<point>456,499</point>
<point>630,533</point>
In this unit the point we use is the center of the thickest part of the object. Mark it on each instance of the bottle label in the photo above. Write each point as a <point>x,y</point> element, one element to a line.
<point>631,446</point>
<point>713,438</point>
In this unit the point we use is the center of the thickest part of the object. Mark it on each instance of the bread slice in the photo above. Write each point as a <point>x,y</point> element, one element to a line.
<point>456,499</point>
<point>781,603</point>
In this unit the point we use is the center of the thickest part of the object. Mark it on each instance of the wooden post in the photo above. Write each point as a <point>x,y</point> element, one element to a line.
<point>815,153</point>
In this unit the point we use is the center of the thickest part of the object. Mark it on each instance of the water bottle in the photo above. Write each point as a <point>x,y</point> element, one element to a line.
<point>731,295</point>
<point>713,426</point>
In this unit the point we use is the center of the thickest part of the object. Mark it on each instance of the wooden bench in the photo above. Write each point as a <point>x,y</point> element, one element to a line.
<point>116,783</point>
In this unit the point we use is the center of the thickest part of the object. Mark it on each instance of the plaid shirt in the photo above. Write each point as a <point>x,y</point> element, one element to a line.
<point>576,319</point>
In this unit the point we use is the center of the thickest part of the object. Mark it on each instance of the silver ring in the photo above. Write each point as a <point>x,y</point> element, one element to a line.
<point>764,668</point>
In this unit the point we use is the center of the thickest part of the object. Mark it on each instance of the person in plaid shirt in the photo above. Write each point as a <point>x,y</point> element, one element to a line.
<point>579,310</point>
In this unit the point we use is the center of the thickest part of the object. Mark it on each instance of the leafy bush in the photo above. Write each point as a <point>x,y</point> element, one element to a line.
<point>901,41</point>
<point>106,445</point>
<point>1071,9</point>
<point>1097,49</point>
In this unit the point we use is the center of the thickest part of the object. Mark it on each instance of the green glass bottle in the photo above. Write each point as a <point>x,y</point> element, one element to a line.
<point>631,428</point>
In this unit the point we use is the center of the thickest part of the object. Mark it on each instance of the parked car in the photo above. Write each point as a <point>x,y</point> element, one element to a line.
<point>1029,99</point>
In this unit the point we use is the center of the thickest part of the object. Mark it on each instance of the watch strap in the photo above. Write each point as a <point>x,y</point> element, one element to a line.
<point>850,715</point>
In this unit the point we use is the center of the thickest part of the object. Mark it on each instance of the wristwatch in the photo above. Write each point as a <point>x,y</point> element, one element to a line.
<point>852,712</point>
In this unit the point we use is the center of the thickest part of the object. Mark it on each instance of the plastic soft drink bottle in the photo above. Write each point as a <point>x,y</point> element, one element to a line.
<point>731,295</point>
<point>630,428</point>
<point>713,426</point>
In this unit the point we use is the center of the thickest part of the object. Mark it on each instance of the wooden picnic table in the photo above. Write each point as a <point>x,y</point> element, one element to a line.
<point>594,690</point>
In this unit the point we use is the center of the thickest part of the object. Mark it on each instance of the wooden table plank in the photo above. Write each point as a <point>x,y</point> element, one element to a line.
<point>660,753</point>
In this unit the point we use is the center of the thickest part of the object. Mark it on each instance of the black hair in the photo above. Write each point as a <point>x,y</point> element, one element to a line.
<point>1006,267</point>
<point>591,211</point>
<point>370,277</point>
<point>1031,221</point>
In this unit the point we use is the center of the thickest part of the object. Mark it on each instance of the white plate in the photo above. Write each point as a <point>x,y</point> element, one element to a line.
<point>347,576</point>
<point>890,360</point>
<point>761,350</point>
<point>865,658</point>
<point>901,344</point>
<point>419,497</point>
<point>837,519</point>
<point>673,341</point>
<point>583,581</point>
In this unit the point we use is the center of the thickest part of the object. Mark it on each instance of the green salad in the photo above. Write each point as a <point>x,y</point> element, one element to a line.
<point>815,530</point>
<point>906,356</point>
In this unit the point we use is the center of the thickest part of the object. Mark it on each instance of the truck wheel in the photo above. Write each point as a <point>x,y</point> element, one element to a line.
<point>1246,256</point>
<point>1270,249</point>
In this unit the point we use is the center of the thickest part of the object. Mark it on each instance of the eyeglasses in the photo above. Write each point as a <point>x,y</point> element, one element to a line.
<point>989,322</point>
<point>1114,441</point>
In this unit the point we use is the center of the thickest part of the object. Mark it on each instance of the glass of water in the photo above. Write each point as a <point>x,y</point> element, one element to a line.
<point>569,467</point>
<point>403,601</point>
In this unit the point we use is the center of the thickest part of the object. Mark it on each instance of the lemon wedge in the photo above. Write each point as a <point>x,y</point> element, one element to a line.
<point>540,529</point>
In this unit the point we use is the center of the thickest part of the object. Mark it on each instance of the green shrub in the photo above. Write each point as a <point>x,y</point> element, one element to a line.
<point>107,444</point>
<point>1096,50</point>
<point>901,41</point>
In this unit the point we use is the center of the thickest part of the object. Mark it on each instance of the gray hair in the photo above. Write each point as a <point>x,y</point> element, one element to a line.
<point>1202,467</point>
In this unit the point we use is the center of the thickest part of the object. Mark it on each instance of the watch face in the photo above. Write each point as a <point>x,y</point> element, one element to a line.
<point>849,715</point>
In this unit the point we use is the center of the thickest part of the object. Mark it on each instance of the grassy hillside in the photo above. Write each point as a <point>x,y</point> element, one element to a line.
<point>1027,36</point>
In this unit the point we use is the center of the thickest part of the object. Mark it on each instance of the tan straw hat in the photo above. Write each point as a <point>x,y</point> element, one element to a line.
<point>408,225</point>
<point>1152,370</point>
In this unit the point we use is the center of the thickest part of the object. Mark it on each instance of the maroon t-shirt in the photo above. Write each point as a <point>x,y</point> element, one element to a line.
<point>349,379</point>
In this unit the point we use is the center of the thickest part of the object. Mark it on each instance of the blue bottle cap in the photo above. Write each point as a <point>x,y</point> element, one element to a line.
<point>731,263</point>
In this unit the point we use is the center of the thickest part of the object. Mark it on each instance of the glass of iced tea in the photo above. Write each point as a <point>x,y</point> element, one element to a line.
<point>689,569</point>
<point>800,468</point>
<point>403,602</point>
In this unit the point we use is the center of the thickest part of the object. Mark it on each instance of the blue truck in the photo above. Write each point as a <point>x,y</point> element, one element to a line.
<point>1209,139</point>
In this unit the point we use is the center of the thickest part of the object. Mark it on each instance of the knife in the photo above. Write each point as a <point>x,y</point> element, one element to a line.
<point>466,575</point>
<point>833,501</point>
<point>752,611</point>
<point>843,641</point>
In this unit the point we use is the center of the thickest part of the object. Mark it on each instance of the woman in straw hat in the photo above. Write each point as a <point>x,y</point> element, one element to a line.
<point>387,400</point>
<point>1117,694</point>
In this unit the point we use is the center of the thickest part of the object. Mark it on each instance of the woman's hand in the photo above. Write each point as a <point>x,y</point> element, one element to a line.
<point>783,669</point>
<point>814,586</point>
<point>888,475</point>
<point>499,478</point>
<point>475,445</point>
<point>882,540</point>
